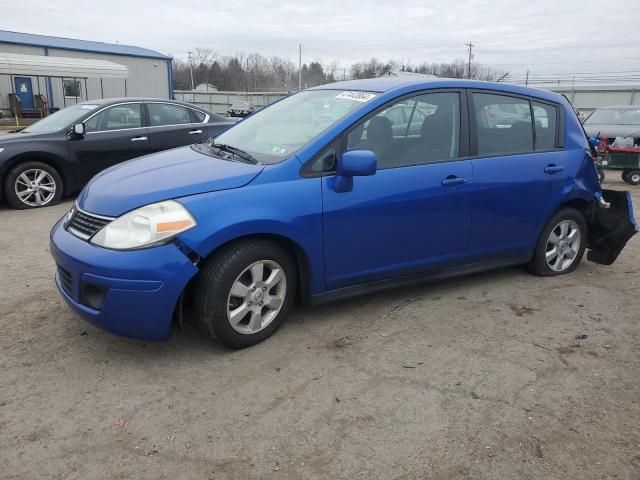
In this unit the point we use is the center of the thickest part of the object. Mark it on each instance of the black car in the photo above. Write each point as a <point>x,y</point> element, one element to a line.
<point>241,109</point>
<point>57,155</point>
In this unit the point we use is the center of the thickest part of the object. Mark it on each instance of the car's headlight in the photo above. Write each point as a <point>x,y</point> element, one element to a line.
<point>145,226</point>
<point>67,216</point>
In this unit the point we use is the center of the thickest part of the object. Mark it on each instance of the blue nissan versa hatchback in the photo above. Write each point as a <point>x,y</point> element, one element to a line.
<point>338,190</point>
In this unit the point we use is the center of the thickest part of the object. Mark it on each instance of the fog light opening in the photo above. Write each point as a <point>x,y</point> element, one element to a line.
<point>93,295</point>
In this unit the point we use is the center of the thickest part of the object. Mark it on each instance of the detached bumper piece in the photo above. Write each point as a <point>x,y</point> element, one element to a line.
<point>611,227</point>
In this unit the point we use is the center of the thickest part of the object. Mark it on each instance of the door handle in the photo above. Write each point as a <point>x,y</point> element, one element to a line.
<point>452,181</point>
<point>553,169</point>
<point>139,139</point>
<point>194,132</point>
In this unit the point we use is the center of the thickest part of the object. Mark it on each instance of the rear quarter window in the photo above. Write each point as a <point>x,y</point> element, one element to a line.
<point>198,115</point>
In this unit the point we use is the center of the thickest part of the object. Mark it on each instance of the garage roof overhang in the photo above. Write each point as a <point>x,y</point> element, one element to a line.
<point>36,65</point>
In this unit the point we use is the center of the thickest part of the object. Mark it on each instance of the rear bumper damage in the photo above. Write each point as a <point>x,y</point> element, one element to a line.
<point>611,225</point>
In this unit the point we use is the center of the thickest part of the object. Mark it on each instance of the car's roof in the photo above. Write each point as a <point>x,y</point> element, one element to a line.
<point>105,101</point>
<point>109,101</point>
<point>389,83</point>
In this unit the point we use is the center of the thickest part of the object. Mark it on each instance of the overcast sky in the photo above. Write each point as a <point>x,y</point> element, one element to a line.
<point>544,36</point>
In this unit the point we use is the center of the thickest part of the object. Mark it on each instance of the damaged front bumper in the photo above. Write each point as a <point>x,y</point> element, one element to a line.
<point>611,225</point>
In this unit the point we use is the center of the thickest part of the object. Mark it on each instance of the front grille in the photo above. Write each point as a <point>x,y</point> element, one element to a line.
<point>84,225</point>
<point>65,279</point>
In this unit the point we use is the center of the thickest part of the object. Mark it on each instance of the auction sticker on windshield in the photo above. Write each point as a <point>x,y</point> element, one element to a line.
<point>357,96</point>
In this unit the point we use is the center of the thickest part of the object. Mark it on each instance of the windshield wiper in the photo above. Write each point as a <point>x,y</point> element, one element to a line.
<point>235,151</point>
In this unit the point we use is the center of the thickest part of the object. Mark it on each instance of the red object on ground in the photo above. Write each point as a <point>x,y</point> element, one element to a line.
<point>604,143</point>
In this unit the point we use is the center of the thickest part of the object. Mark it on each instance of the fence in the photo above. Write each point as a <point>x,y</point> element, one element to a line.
<point>219,102</point>
<point>591,97</point>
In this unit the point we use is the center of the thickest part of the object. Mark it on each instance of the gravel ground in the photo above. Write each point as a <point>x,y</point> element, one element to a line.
<point>476,378</point>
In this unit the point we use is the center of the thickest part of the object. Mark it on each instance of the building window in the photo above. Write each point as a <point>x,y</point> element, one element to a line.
<point>72,88</point>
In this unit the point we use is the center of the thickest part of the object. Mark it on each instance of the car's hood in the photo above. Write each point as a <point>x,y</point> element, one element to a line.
<point>162,176</point>
<point>20,137</point>
<point>610,131</point>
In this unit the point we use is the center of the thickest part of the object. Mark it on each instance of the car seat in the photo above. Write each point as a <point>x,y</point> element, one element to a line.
<point>380,138</point>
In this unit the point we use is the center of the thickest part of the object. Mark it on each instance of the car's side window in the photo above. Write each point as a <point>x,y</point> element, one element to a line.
<point>395,115</point>
<point>118,117</point>
<point>161,114</point>
<point>545,116</point>
<point>417,130</point>
<point>199,116</point>
<point>503,124</point>
<point>324,162</point>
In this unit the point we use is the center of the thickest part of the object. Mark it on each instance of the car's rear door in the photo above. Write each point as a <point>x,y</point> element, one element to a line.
<point>172,125</point>
<point>112,135</point>
<point>411,216</point>
<point>520,170</point>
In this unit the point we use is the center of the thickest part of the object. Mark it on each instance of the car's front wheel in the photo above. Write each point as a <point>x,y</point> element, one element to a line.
<point>32,185</point>
<point>244,292</point>
<point>561,244</point>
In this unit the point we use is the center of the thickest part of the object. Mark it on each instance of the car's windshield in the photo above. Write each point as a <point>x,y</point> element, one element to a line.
<point>61,119</point>
<point>613,116</point>
<point>280,130</point>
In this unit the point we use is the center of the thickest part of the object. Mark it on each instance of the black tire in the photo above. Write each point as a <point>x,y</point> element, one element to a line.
<point>633,177</point>
<point>12,182</point>
<point>219,274</point>
<point>601,175</point>
<point>538,265</point>
<point>624,175</point>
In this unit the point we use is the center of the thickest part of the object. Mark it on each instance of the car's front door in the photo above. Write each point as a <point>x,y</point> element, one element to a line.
<point>112,135</point>
<point>519,172</point>
<point>171,125</point>
<point>413,215</point>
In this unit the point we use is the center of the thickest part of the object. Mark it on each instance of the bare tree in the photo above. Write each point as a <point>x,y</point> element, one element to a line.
<point>256,72</point>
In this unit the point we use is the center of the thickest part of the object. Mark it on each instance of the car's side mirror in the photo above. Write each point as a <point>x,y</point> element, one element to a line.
<point>78,130</point>
<point>354,163</point>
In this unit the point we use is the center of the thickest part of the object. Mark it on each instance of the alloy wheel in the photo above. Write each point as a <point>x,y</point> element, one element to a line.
<point>256,297</point>
<point>35,187</point>
<point>563,245</point>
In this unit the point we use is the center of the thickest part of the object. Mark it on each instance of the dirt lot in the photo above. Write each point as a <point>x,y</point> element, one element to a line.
<point>476,378</point>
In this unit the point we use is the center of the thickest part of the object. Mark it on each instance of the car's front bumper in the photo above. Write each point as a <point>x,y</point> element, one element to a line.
<point>130,293</point>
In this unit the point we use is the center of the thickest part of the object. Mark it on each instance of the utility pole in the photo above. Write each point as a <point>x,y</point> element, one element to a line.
<point>193,87</point>
<point>526,81</point>
<point>299,67</point>
<point>470,45</point>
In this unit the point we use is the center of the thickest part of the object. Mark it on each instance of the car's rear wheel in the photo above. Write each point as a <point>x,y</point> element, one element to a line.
<point>244,293</point>
<point>632,177</point>
<point>561,244</point>
<point>33,185</point>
